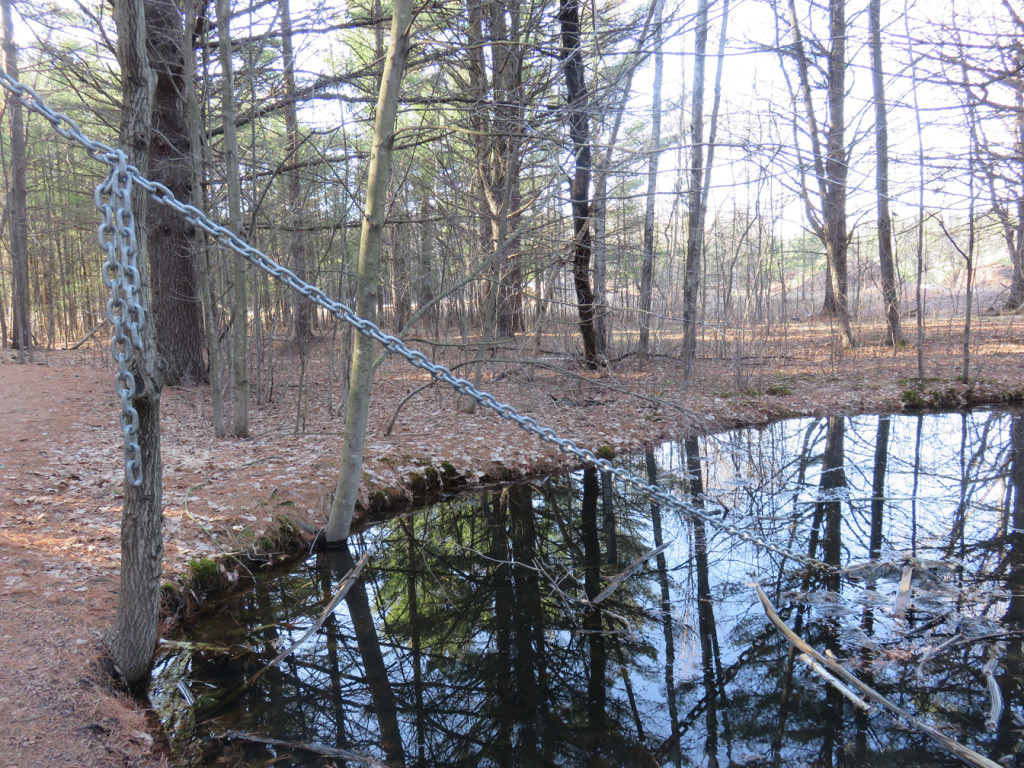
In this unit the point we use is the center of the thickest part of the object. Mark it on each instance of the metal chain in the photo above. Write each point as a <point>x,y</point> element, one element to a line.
<point>105,154</point>
<point>121,276</point>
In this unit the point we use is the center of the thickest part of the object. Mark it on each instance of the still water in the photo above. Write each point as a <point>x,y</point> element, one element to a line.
<point>474,636</point>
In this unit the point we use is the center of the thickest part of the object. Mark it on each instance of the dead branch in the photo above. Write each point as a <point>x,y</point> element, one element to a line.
<point>995,709</point>
<point>835,682</point>
<point>629,571</point>
<point>89,335</point>
<point>343,588</point>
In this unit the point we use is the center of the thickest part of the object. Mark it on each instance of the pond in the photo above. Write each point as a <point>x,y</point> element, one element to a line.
<point>496,628</point>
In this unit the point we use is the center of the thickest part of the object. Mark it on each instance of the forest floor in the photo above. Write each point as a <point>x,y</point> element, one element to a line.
<point>61,477</point>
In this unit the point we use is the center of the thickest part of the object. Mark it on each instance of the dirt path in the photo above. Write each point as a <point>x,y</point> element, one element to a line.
<point>55,596</point>
<point>60,479</point>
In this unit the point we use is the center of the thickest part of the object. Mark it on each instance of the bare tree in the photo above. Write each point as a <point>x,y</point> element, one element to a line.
<point>571,53</point>
<point>830,167</point>
<point>894,335</point>
<point>358,403</point>
<point>694,196</point>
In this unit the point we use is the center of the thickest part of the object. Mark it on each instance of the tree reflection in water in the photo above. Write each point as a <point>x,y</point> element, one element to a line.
<point>473,639</point>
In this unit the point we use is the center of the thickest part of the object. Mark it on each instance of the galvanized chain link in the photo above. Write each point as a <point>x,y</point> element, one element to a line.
<point>121,276</point>
<point>105,154</point>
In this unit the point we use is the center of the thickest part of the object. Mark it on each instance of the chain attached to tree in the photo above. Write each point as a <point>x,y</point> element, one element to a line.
<point>117,237</point>
<point>124,308</point>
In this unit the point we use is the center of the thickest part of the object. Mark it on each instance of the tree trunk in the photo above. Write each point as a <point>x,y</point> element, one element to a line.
<point>21,336</point>
<point>199,245</point>
<point>830,169</point>
<point>132,639</point>
<point>239,294</point>
<point>302,309</point>
<point>894,335</point>
<point>1015,234</point>
<point>368,275</point>
<point>694,195</point>
<point>602,171</point>
<point>177,312</point>
<point>571,54</point>
<point>647,262</point>
<point>836,171</point>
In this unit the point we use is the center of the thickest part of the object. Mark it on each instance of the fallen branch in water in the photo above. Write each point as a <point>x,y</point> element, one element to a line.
<point>339,595</point>
<point>995,709</point>
<point>305,746</point>
<point>630,570</point>
<point>835,682</point>
<point>966,754</point>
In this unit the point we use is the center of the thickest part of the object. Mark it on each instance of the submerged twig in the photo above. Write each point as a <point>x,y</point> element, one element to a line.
<point>903,597</point>
<point>966,754</point>
<point>343,588</point>
<point>632,568</point>
<point>995,707</point>
<point>835,682</point>
<point>306,746</point>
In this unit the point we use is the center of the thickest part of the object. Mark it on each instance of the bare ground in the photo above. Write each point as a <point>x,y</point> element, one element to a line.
<point>61,475</point>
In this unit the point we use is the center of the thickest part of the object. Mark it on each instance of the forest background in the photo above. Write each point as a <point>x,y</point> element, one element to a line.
<point>636,218</point>
<point>685,181</point>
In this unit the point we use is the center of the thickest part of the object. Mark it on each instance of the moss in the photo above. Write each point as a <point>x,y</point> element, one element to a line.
<point>778,390</point>
<point>432,475</point>
<point>417,482</point>
<point>605,452</point>
<point>378,501</point>
<point>913,398</point>
<point>448,470</point>
<point>170,598</point>
<point>287,527</point>
<point>203,572</point>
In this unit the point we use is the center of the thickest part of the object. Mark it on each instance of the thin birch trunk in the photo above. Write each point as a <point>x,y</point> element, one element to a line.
<point>368,276</point>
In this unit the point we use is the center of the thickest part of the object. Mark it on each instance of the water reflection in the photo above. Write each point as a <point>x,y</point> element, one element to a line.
<point>476,637</point>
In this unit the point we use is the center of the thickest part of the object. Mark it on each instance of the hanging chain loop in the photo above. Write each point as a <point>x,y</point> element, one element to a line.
<point>119,230</point>
<point>124,308</point>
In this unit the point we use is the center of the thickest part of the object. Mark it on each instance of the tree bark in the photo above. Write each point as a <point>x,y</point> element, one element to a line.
<point>239,292</point>
<point>647,262</point>
<point>132,638</point>
<point>17,197</point>
<point>830,170</point>
<point>894,334</point>
<point>694,195</point>
<point>368,276</point>
<point>836,171</point>
<point>177,311</point>
<point>571,54</point>
<point>302,309</point>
